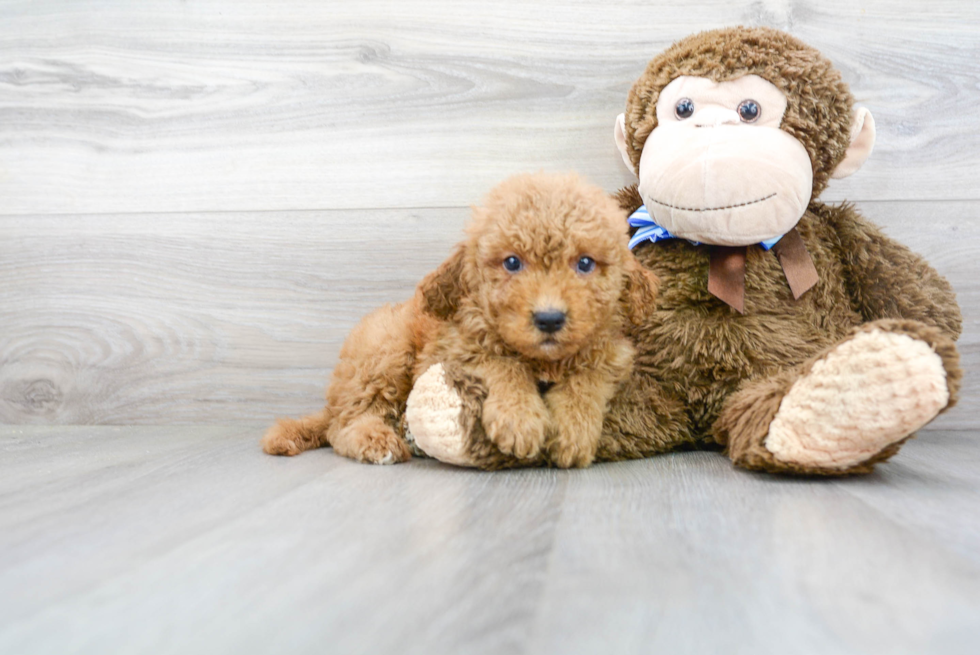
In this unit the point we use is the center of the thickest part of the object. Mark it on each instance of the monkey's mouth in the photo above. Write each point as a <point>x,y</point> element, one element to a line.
<point>713,209</point>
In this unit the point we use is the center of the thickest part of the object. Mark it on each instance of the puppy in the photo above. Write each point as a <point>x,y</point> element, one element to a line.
<point>533,303</point>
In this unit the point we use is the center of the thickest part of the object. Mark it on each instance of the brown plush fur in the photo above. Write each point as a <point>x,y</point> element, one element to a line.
<point>695,352</point>
<point>706,376</point>
<point>475,315</point>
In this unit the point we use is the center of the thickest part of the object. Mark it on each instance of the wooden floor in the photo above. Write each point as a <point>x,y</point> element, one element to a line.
<point>190,540</point>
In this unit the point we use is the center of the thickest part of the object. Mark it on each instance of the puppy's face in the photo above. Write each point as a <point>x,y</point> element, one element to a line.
<point>547,264</point>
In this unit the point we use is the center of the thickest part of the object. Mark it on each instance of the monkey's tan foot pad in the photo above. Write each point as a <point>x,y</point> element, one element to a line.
<point>866,394</point>
<point>435,418</point>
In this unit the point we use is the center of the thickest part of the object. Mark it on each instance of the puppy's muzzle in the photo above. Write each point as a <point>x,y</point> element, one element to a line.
<point>549,321</point>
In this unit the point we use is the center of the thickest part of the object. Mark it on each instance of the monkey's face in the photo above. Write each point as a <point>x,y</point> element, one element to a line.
<point>718,169</point>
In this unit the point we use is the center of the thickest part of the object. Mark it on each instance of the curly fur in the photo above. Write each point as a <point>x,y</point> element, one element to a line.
<point>475,315</point>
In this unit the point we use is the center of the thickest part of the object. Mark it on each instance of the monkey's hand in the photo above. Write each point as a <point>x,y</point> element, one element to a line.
<point>443,417</point>
<point>439,417</point>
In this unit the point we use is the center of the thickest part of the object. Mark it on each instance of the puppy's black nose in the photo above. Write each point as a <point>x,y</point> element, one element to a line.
<point>549,321</point>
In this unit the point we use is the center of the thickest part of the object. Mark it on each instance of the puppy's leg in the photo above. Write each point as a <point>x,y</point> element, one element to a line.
<point>368,438</point>
<point>577,406</point>
<point>366,395</point>
<point>515,417</point>
<point>369,387</point>
<point>364,437</point>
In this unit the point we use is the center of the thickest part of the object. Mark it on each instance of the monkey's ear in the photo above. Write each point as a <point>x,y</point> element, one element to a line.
<point>862,143</point>
<point>639,293</point>
<point>619,133</point>
<point>442,290</point>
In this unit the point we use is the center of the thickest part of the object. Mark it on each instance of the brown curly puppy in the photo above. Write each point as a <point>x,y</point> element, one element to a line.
<point>532,303</point>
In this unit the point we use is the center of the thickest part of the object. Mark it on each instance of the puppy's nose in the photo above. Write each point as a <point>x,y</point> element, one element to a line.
<point>549,321</point>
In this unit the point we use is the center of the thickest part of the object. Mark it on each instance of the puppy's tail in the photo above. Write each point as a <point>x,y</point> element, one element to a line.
<point>293,436</point>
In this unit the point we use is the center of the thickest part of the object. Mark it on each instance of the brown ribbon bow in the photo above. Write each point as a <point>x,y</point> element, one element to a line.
<point>726,271</point>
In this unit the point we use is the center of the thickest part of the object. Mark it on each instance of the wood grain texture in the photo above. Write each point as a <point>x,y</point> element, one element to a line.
<point>167,311</point>
<point>190,540</point>
<point>242,105</point>
<point>206,318</point>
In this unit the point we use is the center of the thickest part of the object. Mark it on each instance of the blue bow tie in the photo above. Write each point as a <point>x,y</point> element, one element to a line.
<point>650,231</point>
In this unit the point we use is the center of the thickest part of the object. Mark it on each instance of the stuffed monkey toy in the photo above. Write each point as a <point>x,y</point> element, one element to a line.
<point>790,334</point>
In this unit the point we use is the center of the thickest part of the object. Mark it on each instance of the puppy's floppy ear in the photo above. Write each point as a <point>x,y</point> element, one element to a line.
<point>443,289</point>
<point>639,291</point>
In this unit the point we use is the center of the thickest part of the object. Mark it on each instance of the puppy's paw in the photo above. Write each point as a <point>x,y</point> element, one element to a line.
<point>369,439</point>
<point>571,453</point>
<point>575,439</point>
<point>284,438</point>
<point>515,429</point>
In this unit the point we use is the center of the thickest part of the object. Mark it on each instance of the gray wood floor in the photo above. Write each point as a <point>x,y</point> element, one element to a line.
<point>190,540</point>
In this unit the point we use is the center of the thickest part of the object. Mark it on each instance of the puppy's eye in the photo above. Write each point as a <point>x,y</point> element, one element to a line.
<point>749,111</point>
<point>684,108</point>
<point>512,264</point>
<point>585,265</point>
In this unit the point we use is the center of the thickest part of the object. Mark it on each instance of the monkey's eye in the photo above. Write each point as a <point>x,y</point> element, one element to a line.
<point>585,265</point>
<point>684,108</point>
<point>749,111</point>
<point>513,264</point>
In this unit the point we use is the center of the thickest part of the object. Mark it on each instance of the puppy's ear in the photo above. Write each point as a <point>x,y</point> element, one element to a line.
<point>442,290</point>
<point>639,292</point>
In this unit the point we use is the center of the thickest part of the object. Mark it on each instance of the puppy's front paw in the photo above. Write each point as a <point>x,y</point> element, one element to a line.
<point>516,430</point>
<point>575,439</point>
<point>572,453</point>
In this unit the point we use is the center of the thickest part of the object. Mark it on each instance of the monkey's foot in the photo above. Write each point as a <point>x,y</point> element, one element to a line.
<point>864,395</point>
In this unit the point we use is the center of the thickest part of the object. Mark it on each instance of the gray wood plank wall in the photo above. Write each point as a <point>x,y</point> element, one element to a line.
<point>199,199</point>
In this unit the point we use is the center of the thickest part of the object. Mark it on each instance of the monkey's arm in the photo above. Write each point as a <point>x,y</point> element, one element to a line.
<point>887,280</point>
